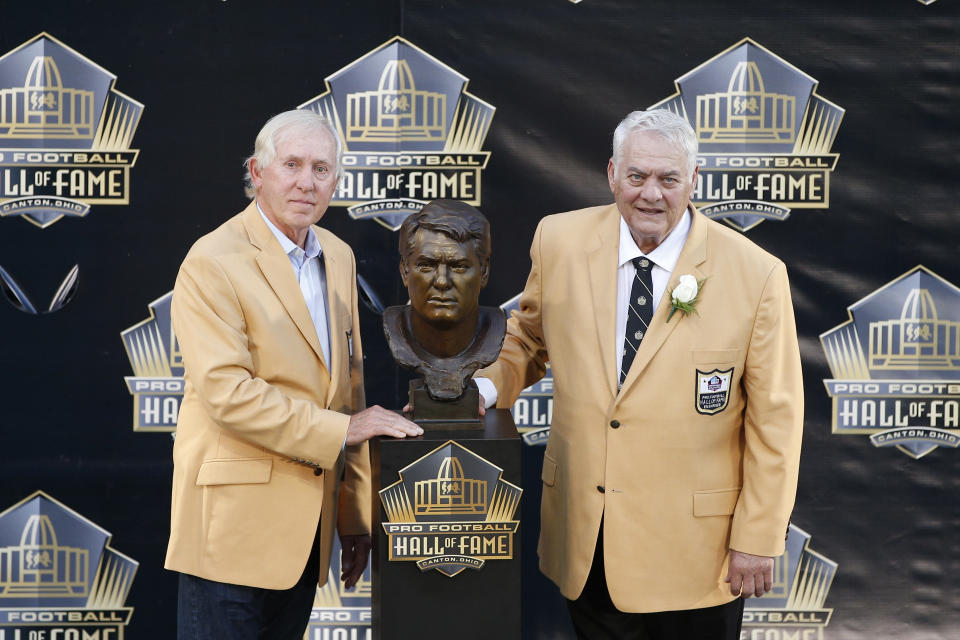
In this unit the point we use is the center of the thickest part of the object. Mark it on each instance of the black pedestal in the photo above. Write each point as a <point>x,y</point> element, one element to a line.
<point>446,557</point>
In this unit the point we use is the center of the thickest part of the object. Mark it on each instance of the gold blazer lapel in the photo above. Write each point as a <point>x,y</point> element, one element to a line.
<point>601,256</point>
<point>275,266</point>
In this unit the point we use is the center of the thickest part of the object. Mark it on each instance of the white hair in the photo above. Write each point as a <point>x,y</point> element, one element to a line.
<point>294,122</point>
<point>666,124</point>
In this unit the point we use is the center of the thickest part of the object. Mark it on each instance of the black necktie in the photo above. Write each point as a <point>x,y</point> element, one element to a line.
<point>639,313</point>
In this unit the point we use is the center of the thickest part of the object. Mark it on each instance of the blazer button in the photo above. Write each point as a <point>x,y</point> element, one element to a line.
<point>317,471</point>
<point>615,424</point>
<point>600,488</point>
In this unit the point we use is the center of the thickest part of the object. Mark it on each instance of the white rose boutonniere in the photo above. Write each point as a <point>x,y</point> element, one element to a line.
<point>685,295</point>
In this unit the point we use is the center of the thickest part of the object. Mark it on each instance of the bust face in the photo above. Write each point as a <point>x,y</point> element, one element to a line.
<point>443,278</point>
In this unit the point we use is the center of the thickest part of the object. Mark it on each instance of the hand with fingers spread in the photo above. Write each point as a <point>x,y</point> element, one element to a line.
<point>377,421</point>
<point>749,575</point>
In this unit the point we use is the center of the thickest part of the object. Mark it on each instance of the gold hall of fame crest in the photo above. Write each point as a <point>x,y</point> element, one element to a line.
<point>59,578</point>
<point>157,381</point>
<point>411,132</point>
<point>794,609</point>
<point>65,133</point>
<point>451,510</point>
<point>896,365</point>
<point>764,134</point>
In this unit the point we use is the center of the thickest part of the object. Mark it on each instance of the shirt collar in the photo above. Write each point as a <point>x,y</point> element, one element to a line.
<point>667,252</point>
<point>312,245</point>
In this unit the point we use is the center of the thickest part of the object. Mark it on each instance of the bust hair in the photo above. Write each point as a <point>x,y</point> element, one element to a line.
<point>294,122</point>
<point>452,218</point>
<point>666,124</point>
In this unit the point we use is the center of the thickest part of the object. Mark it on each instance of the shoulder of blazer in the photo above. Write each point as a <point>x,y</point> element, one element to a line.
<point>733,246</point>
<point>228,238</point>
<point>580,228</point>
<point>331,243</point>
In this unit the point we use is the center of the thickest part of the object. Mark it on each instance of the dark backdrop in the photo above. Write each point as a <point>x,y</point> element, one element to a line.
<point>560,76</point>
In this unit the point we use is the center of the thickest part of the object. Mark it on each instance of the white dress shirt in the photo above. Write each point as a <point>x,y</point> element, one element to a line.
<point>311,274</point>
<point>664,259</point>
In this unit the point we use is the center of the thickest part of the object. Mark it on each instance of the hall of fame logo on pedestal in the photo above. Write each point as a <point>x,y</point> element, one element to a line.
<point>764,134</point>
<point>65,134</point>
<point>794,608</point>
<point>157,381</point>
<point>59,578</point>
<point>896,365</point>
<point>533,410</point>
<point>339,614</point>
<point>450,511</point>
<point>411,133</point>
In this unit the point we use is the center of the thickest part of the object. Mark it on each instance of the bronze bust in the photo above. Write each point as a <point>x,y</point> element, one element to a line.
<point>443,334</point>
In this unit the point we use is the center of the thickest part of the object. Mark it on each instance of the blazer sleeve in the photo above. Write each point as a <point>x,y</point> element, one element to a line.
<point>354,512</point>
<point>772,423</point>
<point>208,319</point>
<point>523,358</point>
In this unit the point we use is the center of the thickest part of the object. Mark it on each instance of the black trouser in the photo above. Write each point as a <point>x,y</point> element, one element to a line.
<point>595,618</point>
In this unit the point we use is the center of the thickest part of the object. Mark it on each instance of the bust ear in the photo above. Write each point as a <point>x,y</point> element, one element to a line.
<point>404,271</point>
<point>484,273</point>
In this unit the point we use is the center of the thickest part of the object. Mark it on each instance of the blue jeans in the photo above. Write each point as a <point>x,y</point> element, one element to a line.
<point>208,610</point>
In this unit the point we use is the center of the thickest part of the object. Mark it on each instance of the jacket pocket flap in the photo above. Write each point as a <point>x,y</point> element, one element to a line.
<point>720,502</point>
<point>716,356</point>
<point>549,473</point>
<point>237,471</point>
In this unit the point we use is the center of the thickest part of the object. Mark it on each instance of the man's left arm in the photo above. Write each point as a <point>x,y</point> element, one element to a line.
<point>773,430</point>
<point>354,508</point>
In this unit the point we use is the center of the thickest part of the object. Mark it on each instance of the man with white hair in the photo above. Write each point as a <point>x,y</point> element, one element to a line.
<point>271,456</point>
<point>671,467</point>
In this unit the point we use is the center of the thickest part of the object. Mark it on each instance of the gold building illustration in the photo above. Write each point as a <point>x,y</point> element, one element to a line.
<point>39,567</point>
<point>917,340</point>
<point>746,112</point>
<point>450,493</point>
<point>396,111</point>
<point>43,107</point>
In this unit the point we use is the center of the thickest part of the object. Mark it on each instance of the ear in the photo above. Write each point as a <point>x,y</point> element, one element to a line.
<point>611,170</point>
<point>484,273</point>
<point>256,173</point>
<point>404,271</point>
<point>696,174</point>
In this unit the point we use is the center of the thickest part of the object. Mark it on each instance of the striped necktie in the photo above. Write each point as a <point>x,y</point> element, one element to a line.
<point>639,313</point>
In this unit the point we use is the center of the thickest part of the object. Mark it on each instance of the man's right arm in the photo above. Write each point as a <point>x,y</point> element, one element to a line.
<point>523,358</point>
<point>210,326</point>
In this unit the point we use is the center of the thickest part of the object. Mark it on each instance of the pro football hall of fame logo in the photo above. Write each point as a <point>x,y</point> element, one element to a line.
<point>450,511</point>
<point>339,614</point>
<point>896,365</point>
<point>65,134</point>
<point>411,133</point>
<point>59,578</point>
<point>764,133</point>
<point>157,381</point>
<point>794,608</point>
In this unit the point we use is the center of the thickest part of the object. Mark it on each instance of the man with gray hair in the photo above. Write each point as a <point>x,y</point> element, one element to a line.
<point>270,457</point>
<point>671,468</point>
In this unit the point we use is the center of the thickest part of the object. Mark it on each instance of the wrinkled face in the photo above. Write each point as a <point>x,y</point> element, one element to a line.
<point>443,278</point>
<point>295,189</point>
<point>652,186</point>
